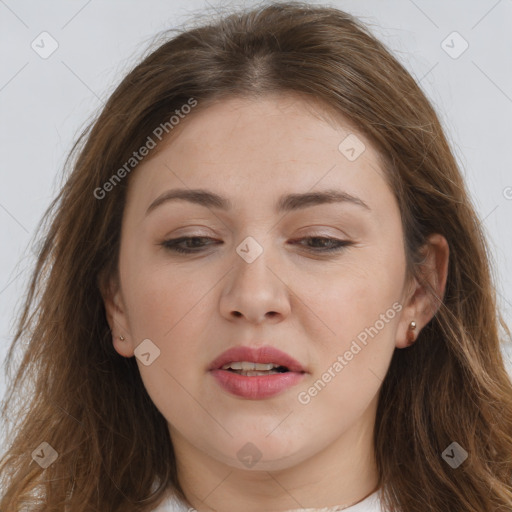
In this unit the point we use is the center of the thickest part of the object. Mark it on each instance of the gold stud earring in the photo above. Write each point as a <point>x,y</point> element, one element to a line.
<point>411,338</point>
<point>122,338</point>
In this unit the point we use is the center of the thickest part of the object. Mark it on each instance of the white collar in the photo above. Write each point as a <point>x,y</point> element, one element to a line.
<point>369,504</point>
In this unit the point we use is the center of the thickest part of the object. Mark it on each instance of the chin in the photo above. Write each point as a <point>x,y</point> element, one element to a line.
<point>260,452</point>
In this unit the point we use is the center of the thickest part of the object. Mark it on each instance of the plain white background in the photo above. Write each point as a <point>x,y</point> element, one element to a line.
<point>45,102</point>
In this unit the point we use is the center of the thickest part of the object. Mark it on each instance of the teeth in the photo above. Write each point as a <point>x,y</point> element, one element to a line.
<point>255,374</point>
<point>246,366</point>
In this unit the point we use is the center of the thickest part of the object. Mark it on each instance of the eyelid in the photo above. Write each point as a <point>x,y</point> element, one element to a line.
<point>322,232</point>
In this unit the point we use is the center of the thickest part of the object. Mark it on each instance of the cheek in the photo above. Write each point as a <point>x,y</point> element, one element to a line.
<point>167,306</point>
<point>349,296</point>
<point>359,306</point>
<point>160,295</point>
<point>352,363</point>
<point>167,314</point>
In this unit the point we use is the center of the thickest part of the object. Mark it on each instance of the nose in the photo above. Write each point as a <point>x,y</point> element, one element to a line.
<point>255,291</point>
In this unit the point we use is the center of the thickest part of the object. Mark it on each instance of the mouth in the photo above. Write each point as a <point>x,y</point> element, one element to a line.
<point>256,373</point>
<point>252,359</point>
<point>248,369</point>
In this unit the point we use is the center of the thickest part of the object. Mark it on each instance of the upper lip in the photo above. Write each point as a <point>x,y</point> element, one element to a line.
<point>265,354</point>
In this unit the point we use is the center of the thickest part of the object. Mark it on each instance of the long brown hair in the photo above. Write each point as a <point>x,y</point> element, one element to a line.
<point>69,389</point>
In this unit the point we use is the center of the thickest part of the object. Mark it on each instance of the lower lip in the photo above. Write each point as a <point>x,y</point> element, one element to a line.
<point>257,387</point>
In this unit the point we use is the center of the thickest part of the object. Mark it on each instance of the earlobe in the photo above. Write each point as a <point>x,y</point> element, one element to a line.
<point>411,334</point>
<point>116,318</point>
<point>122,346</point>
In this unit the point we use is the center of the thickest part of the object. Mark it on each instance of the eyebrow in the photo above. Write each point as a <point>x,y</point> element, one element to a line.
<point>286,203</point>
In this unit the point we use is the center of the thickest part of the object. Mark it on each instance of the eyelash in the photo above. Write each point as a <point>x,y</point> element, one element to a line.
<point>173,244</point>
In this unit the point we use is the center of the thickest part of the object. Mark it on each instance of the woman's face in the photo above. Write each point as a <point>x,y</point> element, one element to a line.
<point>259,275</point>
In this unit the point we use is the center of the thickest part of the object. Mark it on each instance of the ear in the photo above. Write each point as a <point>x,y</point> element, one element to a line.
<point>116,316</point>
<point>420,303</point>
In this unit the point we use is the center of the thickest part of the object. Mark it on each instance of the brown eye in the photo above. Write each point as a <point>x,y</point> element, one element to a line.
<point>176,244</point>
<point>326,244</point>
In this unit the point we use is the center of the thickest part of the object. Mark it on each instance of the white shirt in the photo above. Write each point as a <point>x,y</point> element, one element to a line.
<point>370,504</point>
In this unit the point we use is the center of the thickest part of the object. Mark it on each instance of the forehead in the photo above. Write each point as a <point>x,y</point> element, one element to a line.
<point>256,148</point>
<point>275,127</point>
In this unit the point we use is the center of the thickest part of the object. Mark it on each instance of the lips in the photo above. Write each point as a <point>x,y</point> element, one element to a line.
<point>255,385</point>
<point>264,355</point>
